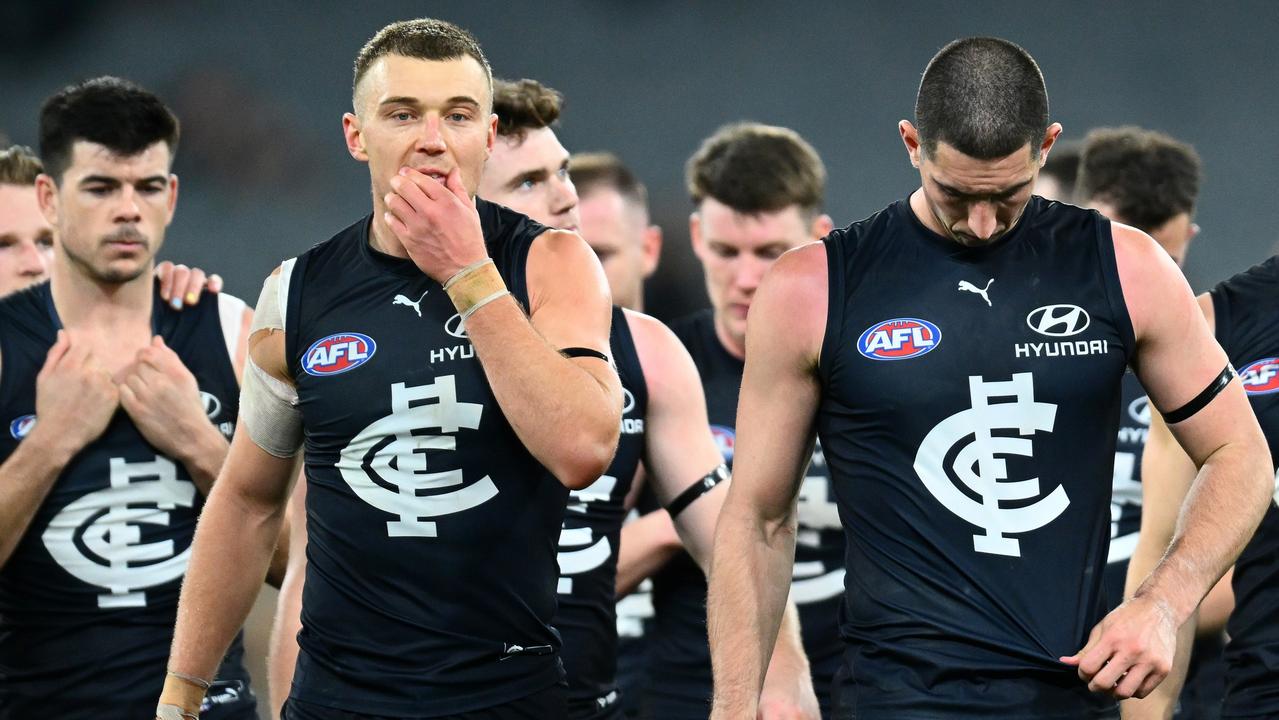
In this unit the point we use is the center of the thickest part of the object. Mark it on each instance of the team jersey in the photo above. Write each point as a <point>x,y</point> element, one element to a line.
<point>1246,311</point>
<point>589,541</point>
<point>681,669</point>
<point>969,411</point>
<point>89,597</point>
<point>431,569</point>
<point>1125,501</point>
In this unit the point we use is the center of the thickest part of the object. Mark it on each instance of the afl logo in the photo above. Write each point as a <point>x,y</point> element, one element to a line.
<point>899,339</point>
<point>725,440</point>
<point>1058,320</point>
<point>20,427</point>
<point>453,326</point>
<point>1261,377</point>
<point>338,353</point>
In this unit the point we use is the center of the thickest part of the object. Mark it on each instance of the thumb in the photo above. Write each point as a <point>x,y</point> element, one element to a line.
<point>157,342</point>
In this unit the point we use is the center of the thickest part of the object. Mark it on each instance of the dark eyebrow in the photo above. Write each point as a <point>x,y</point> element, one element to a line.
<point>534,175</point>
<point>401,100</point>
<point>115,182</point>
<point>1007,192</point>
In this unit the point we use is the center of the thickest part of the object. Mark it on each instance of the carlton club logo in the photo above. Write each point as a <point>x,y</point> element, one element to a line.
<point>98,538</point>
<point>1058,320</point>
<point>1261,377</point>
<point>978,463</point>
<point>388,464</point>
<point>579,550</point>
<point>338,353</point>
<point>899,339</point>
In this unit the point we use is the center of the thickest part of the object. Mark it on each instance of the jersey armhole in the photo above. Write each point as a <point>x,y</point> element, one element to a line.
<point>289,293</point>
<point>1113,288</point>
<point>231,318</point>
<point>834,308</point>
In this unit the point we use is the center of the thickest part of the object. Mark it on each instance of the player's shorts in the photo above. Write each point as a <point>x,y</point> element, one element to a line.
<point>549,703</point>
<point>229,700</point>
<point>608,707</point>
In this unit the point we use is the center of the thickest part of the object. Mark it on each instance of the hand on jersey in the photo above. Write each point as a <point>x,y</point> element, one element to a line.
<point>181,284</point>
<point>163,399</point>
<point>436,222</point>
<point>75,397</point>
<point>1130,651</point>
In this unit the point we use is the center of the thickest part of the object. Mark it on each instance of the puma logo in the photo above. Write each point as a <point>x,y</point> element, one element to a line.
<point>966,286</point>
<point>417,306</point>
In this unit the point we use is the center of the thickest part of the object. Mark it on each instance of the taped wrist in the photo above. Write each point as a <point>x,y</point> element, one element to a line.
<point>269,412</point>
<point>181,697</point>
<point>475,286</point>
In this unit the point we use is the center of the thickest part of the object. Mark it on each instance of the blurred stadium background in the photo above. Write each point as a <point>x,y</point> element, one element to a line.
<point>260,88</point>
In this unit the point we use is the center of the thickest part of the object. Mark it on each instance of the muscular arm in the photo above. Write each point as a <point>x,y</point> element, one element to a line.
<point>1176,359</point>
<point>233,544</point>
<point>648,543</point>
<point>755,540</point>
<point>25,479</point>
<point>567,412</point>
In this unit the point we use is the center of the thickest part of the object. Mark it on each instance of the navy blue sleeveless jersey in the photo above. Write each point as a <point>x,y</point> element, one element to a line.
<point>1125,500</point>
<point>589,541</point>
<point>431,569</point>
<point>970,404</point>
<point>681,670</point>
<point>1246,311</point>
<point>89,597</point>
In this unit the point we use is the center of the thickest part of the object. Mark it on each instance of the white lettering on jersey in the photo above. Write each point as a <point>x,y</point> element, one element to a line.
<point>978,465</point>
<point>579,551</point>
<point>1125,490</point>
<point>393,451</point>
<point>817,511</point>
<point>110,552</point>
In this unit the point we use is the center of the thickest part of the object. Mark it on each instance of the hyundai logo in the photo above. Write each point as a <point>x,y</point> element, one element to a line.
<point>1058,320</point>
<point>453,326</point>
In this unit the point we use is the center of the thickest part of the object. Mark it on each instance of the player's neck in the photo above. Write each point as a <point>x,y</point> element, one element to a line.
<point>84,302</point>
<point>380,235</point>
<point>734,346</point>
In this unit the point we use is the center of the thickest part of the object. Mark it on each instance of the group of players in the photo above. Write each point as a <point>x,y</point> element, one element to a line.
<point>477,401</point>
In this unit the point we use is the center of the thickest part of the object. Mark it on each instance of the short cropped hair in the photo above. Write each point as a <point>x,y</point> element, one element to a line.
<point>424,39</point>
<point>19,165</point>
<point>601,170</point>
<point>1062,165</point>
<point>1147,176</point>
<point>754,168</point>
<point>524,105</point>
<point>108,111</point>
<point>983,96</point>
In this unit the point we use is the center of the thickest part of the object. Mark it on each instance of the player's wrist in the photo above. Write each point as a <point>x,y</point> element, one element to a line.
<point>475,286</point>
<point>53,448</point>
<point>181,697</point>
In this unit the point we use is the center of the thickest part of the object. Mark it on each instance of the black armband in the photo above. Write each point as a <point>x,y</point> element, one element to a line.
<point>697,489</point>
<point>574,352</point>
<point>1201,400</point>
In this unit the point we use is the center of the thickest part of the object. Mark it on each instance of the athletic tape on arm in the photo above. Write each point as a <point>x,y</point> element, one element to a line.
<point>268,406</point>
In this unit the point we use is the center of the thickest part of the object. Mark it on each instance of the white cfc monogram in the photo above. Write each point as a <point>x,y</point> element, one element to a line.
<point>386,463</point>
<point>579,551</point>
<point>981,467</point>
<point>110,552</point>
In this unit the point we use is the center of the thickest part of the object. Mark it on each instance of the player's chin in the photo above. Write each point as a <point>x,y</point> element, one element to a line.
<point>124,269</point>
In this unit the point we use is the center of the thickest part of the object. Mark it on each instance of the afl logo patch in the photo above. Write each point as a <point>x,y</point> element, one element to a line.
<point>899,339</point>
<point>20,427</point>
<point>725,440</point>
<point>1261,377</point>
<point>1058,320</point>
<point>338,353</point>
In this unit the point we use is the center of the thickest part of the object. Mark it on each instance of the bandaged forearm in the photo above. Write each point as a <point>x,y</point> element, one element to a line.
<point>475,286</point>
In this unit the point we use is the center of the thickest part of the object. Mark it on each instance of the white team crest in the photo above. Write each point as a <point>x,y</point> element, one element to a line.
<point>386,463</point>
<point>579,550</point>
<point>98,539</point>
<point>980,467</point>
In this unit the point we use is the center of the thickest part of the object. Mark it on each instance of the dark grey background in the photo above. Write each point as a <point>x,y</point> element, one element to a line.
<point>260,88</point>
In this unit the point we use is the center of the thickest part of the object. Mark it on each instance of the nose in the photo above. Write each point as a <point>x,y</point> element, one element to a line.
<point>564,197</point>
<point>981,220</point>
<point>128,210</point>
<point>749,272</point>
<point>31,262</point>
<point>431,141</point>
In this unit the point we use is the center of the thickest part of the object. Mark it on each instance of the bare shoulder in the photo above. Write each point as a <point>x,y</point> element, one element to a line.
<point>557,246</point>
<point>1205,306</point>
<point>661,354</point>
<point>790,305</point>
<point>1152,283</point>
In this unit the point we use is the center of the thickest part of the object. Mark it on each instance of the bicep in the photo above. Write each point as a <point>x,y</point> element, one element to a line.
<point>569,302</point>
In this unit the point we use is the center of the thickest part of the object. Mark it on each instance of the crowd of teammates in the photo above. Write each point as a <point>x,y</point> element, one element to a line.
<point>474,423</point>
